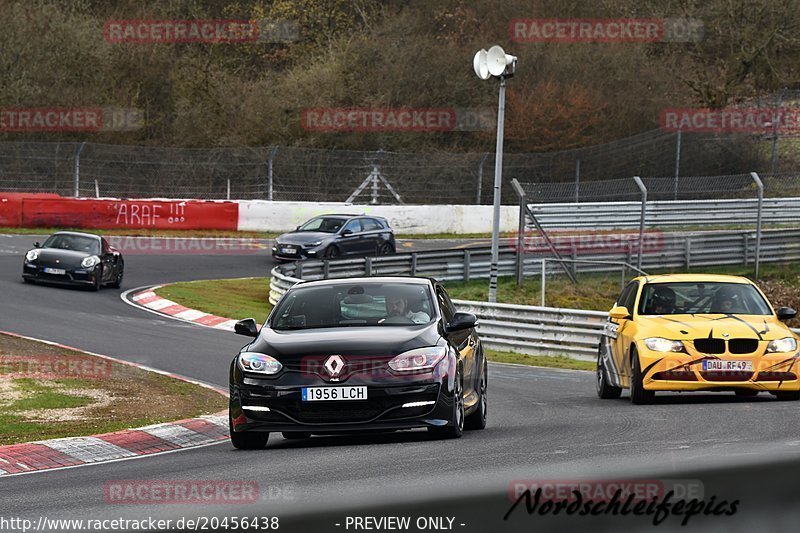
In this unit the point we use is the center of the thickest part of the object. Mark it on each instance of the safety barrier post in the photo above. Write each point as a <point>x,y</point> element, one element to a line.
<point>643,190</point>
<point>760,187</point>
<point>76,173</point>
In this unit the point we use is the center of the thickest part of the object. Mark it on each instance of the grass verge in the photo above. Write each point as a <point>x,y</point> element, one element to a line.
<point>548,361</point>
<point>47,392</point>
<point>233,298</point>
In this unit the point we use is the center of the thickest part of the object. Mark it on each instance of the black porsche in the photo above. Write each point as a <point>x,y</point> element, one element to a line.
<point>340,356</point>
<point>72,258</point>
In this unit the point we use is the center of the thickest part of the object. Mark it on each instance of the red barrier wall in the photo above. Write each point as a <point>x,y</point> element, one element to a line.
<point>134,214</point>
<point>11,207</point>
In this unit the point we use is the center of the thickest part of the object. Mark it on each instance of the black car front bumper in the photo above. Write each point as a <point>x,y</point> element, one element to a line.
<point>72,276</point>
<point>406,404</point>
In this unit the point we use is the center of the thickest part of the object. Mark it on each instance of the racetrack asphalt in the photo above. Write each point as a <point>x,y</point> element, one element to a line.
<point>543,423</point>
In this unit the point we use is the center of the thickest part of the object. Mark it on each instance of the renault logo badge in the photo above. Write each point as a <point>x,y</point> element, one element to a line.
<point>334,365</point>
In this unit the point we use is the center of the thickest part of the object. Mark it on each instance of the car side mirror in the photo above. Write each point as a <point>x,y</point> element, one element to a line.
<point>786,313</point>
<point>619,312</point>
<point>346,232</point>
<point>37,245</point>
<point>246,327</point>
<point>460,322</point>
<point>297,228</point>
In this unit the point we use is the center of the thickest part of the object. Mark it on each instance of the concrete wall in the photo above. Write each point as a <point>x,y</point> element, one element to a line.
<point>258,215</point>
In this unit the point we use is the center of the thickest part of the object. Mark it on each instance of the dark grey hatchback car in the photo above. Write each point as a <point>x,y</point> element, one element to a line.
<point>332,236</point>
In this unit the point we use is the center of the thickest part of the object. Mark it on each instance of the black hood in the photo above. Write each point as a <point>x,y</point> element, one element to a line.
<point>58,258</point>
<point>303,237</point>
<point>362,341</point>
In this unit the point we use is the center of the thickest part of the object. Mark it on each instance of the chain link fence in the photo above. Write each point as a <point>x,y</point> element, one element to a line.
<point>308,174</point>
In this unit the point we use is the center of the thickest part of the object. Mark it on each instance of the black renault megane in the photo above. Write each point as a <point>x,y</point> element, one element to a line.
<point>339,356</point>
<point>73,258</point>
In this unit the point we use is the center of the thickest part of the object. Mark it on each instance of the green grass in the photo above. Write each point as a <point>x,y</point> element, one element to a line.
<point>232,298</point>
<point>548,361</point>
<point>43,397</point>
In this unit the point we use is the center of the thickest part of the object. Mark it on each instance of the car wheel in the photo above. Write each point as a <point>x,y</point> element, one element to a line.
<point>248,440</point>
<point>746,393</point>
<point>455,428</point>
<point>296,435</point>
<point>332,252</point>
<point>117,283</point>
<point>28,280</point>
<point>98,280</point>
<point>386,249</point>
<point>477,420</point>
<point>639,395</point>
<point>788,396</point>
<point>605,390</point>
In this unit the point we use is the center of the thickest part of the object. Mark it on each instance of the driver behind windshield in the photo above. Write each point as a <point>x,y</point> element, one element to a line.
<point>663,301</point>
<point>397,306</point>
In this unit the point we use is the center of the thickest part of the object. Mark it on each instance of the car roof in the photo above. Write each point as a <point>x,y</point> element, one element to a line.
<point>77,233</point>
<point>416,280</point>
<point>339,215</point>
<point>694,278</point>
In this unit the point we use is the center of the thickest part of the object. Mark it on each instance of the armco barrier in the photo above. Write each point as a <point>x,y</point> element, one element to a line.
<point>664,214</point>
<point>112,213</point>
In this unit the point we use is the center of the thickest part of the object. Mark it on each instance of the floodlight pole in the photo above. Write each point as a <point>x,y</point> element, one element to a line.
<point>498,181</point>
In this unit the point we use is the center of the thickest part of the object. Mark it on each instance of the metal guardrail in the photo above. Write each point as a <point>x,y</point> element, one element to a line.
<point>626,215</point>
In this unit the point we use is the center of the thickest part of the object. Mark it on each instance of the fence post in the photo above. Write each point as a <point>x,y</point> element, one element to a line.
<point>96,189</point>
<point>677,164</point>
<point>577,179</point>
<point>76,173</point>
<point>643,190</point>
<point>467,260</point>
<point>521,239</point>
<point>760,186</point>
<point>413,264</point>
<point>688,252</point>
<point>480,178</point>
<point>272,154</point>
<point>368,266</point>
<point>298,269</point>
<point>326,269</point>
<point>544,279</point>
<point>228,193</point>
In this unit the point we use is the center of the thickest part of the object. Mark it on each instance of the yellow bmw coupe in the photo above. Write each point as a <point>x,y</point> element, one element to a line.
<point>692,332</point>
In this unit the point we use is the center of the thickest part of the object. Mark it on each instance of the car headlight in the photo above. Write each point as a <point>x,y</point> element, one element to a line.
<point>89,262</point>
<point>32,255</point>
<point>259,363</point>
<point>787,344</point>
<point>312,244</point>
<point>418,360</point>
<point>657,344</point>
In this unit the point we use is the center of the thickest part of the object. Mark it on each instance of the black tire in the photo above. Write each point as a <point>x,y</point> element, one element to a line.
<point>117,283</point>
<point>296,435</point>
<point>455,429</point>
<point>28,280</point>
<point>332,252</point>
<point>746,393</point>
<point>386,249</point>
<point>605,390</point>
<point>639,395</point>
<point>98,280</point>
<point>477,420</point>
<point>788,396</point>
<point>248,440</point>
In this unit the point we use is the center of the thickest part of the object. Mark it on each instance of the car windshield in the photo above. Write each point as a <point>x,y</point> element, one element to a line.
<point>77,243</point>
<point>323,224</point>
<point>354,304</point>
<point>702,298</point>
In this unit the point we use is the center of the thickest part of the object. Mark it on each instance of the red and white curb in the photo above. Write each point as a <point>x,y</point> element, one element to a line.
<point>148,299</point>
<point>77,451</point>
<point>68,452</point>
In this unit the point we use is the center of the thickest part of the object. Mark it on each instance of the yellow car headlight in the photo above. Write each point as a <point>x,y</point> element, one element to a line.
<point>787,344</point>
<point>657,344</point>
